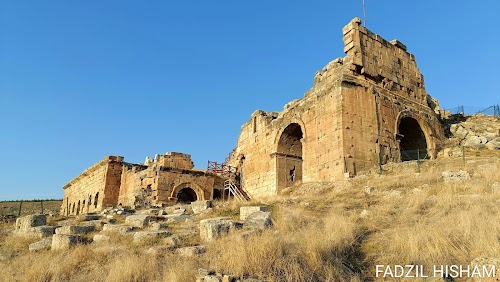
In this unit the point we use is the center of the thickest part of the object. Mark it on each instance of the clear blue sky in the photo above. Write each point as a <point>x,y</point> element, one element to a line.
<point>80,80</point>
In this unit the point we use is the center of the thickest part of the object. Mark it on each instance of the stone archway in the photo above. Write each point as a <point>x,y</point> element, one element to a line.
<point>289,156</point>
<point>187,192</point>
<point>412,140</point>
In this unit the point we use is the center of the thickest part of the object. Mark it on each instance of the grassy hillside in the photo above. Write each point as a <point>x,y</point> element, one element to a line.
<point>323,232</point>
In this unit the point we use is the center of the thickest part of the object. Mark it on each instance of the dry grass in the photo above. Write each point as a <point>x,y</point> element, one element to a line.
<point>317,251</point>
<point>334,234</point>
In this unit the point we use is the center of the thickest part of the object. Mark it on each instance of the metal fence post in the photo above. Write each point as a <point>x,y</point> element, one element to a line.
<point>20,208</point>
<point>418,160</point>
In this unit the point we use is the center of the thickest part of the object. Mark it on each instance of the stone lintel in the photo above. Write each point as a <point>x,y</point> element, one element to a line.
<point>283,155</point>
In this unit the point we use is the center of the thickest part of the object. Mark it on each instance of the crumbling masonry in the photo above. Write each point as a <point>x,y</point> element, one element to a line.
<point>112,182</point>
<point>367,108</point>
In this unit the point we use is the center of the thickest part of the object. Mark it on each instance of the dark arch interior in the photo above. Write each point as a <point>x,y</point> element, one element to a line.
<point>290,141</point>
<point>186,195</point>
<point>412,140</point>
<point>289,156</point>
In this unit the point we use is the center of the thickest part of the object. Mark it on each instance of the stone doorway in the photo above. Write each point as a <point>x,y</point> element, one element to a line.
<point>289,157</point>
<point>412,142</point>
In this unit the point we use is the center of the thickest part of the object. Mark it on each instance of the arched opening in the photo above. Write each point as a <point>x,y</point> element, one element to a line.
<point>90,201</point>
<point>412,142</point>
<point>217,194</point>
<point>73,209</point>
<point>83,206</point>
<point>289,156</point>
<point>96,199</point>
<point>78,208</point>
<point>187,195</point>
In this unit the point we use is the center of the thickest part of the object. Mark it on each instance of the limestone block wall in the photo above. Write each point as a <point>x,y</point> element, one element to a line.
<point>90,191</point>
<point>136,180</point>
<point>348,121</point>
<point>381,85</point>
<point>112,182</point>
<point>263,154</point>
<point>177,160</point>
<point>161,184</point>
<point>171,181</point>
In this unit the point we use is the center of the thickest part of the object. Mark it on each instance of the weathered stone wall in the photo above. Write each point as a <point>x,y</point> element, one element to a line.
<point>159,181</point>
<point>348,121</point>
<point>88,191</point>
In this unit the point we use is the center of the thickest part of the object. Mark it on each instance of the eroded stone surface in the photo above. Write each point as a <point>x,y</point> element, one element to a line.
<point>214,228</point>
<point>117,228</point>
<point>65,241</point>
<point>44,244</point>
<point>259,220</point>
<point>245,211</point>
<point>75,229</point>
<point>25,223</point>
<point>138,220</point>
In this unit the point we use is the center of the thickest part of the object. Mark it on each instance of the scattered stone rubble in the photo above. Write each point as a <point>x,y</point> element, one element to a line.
<point>477,132</point>
<point>145,227</point>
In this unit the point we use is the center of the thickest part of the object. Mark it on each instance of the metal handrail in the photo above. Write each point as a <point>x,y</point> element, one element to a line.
<point>233,189</point>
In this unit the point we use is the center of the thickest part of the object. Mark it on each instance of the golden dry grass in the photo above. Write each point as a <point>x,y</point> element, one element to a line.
<point>338,234</point>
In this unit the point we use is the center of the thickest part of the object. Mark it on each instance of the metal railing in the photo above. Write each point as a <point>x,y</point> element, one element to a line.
<point>221,169</point>
<point>234,190</point>
<point>493,110</point>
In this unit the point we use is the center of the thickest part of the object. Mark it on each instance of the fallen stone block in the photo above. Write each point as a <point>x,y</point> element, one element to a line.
<point>36,232</point>
<point>172,241</point>
<point>117,228</point>
<point>29,221</point>
<point>455,175</point>
<point>96,223</point>
<point>44,244</point>
<point>101,238</point>
<point>149,212</point>
<point>200,206</point>
<point>214,228</point>
<point>248,210</point>
<point>158,226</point>
<point>75,229</point>
<point>89,216</point>
<point>259,220</point>
<point>138,220</point>
<point>65,241</point>
<point>191,251</point>
<point>178,217</point>
<point>144,236</point>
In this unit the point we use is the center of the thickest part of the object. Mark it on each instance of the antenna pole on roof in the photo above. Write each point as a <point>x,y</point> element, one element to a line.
<point>364,13</point>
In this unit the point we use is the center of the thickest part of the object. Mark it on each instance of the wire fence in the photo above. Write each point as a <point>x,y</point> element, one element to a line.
<point>415,160</point>
<point>493,110</point>
<point>17,208</point>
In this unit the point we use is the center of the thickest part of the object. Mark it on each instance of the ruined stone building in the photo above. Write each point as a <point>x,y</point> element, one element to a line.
<point>367,108</point>
<point>112,182</point>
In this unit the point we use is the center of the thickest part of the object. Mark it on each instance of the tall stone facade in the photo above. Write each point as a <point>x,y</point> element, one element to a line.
<point>367,108</point>
<point>112,182</point>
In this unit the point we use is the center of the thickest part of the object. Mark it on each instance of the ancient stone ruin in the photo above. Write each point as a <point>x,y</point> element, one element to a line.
<point>365,109</point>
<point>112,182</point>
